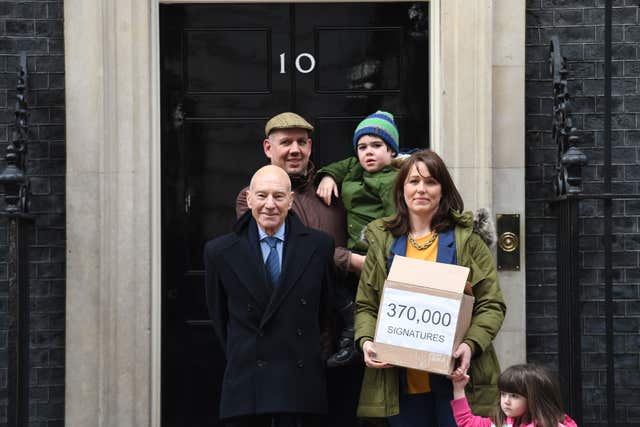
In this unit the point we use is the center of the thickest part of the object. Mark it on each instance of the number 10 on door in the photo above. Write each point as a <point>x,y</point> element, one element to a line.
<point>308,67</point>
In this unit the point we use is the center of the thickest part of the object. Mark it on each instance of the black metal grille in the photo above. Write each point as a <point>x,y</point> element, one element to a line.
<point>598,240</point>
<point>15,205</point>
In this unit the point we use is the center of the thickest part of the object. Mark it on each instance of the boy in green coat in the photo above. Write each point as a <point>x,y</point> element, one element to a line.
<point>366,187</point>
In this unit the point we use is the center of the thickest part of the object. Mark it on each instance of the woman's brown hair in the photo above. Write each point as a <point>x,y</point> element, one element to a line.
<point>450,198</point>
<point>539,387</point>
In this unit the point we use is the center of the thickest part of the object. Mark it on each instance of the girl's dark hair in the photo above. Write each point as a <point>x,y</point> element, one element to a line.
<point>450,198</point>
<point>541,390</point>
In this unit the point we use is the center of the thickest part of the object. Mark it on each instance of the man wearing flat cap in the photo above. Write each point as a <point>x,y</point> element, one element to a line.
<point>288,144</point>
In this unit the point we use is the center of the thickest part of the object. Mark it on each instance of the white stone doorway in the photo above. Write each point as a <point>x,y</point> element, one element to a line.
<point>113,330</point>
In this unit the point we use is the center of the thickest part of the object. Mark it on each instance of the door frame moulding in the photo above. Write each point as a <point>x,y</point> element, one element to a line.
<point>112,57</point>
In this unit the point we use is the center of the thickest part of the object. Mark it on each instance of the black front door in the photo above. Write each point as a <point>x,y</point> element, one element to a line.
<point>225,69</point>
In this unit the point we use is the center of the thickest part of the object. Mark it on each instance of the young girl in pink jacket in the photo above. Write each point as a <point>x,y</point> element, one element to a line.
<point>529,397</point>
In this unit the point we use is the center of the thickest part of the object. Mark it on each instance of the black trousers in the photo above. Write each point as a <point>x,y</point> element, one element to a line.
<point>276,420</point>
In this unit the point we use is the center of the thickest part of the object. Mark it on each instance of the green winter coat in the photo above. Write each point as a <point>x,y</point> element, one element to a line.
<point>380,387</point>
<point>365,195</point>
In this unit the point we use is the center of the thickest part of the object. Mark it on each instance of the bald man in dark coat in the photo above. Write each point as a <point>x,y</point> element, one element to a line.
<point>269,326</point>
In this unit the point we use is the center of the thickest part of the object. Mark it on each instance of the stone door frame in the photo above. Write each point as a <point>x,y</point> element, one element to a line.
<point>113,319</point>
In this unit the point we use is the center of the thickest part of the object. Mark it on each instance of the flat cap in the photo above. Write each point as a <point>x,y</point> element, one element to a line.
<point>286,120</point>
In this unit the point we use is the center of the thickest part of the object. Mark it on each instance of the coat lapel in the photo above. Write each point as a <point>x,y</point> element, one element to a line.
<point>298,250</point>
<point>447,248</point>
<point>245,258</point>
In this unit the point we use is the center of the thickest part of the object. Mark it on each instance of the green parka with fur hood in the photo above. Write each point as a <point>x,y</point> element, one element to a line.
<point>379,396</point>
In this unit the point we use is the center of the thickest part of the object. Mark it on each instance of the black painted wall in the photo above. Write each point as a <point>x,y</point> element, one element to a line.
<point>580,27</point>
<point>36,27</point>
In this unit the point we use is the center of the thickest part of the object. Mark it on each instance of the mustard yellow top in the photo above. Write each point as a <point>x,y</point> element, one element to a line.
<point>418,381</point>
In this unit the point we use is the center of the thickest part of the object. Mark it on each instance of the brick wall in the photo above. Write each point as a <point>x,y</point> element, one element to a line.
<point>580,27</point>
<point>36,27</point>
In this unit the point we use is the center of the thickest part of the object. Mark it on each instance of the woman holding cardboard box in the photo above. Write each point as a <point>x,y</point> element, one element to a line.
<point>429,225</point>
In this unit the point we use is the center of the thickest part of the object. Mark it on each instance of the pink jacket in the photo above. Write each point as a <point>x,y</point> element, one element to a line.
<point>464,417</point>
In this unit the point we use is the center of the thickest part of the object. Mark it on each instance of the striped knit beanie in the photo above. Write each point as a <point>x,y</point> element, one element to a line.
<point>380,124</point>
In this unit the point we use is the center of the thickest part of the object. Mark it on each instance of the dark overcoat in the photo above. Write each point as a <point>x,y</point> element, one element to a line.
<point>270,335</point>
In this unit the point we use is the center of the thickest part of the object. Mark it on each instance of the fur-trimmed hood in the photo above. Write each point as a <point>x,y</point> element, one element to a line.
<point>481,222</point>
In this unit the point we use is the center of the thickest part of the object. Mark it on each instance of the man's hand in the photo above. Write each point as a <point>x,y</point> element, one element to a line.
<point>369,357</point>
<point>326,188</point>
<point>356,262</point>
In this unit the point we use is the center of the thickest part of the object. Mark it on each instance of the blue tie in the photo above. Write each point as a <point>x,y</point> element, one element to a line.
<point>273,260</point>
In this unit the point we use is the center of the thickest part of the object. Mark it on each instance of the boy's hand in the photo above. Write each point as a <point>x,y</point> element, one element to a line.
<point>326,188</point>
<point>459,380</point>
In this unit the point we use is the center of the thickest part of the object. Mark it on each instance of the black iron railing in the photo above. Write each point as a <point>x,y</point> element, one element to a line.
<point>15,212</point>
<point>567,185</point>
<point>568,195</point>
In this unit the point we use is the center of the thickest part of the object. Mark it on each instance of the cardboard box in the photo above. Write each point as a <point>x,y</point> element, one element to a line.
<point>423,314</point>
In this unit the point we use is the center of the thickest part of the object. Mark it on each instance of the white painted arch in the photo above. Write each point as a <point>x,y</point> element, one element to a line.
<point>113,181</point>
